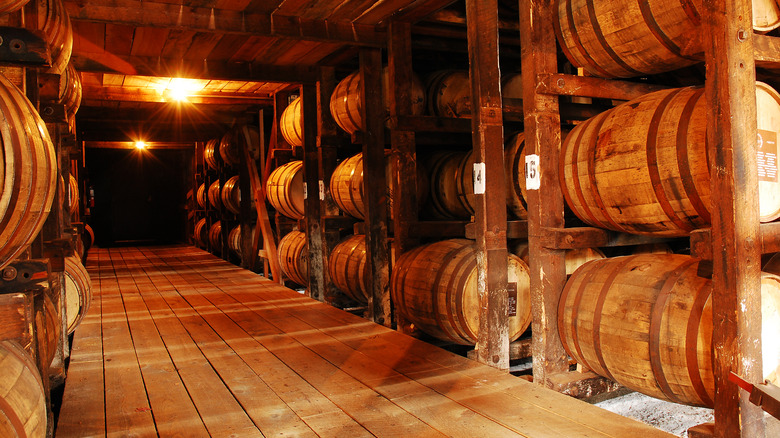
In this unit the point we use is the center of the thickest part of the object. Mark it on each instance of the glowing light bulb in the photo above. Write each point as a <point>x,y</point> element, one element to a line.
<point>140,145</point>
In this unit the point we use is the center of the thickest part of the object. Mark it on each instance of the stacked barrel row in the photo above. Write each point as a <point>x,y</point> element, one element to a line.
<point>29,182</point>
<point>646,321</point>
<point>219,195</point>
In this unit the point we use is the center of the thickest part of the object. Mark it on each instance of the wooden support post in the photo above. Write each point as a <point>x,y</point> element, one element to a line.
<point>247,222</point>
<point>545,205</point>
<point>404,151</point>
<point>312,195</point>
<point>328,140</point>
<point>731,138</point>
<point>374,186</point>
<point>490,213</point>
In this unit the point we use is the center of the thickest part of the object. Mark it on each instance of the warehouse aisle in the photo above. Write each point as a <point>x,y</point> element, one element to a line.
<point>179,342</point>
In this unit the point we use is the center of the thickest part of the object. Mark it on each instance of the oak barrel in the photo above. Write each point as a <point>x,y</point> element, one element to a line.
<point>284,189</point>
<point>48,328</point>
<point>347,100</point>
<point>772,265</point>
<point>229,148</point>
<point>28,173</point>
<point>201,233</point>
<point>449,92</point>
<point>291,123</point>
<point>435,288</point>
<point>346,185</point>
<point>73,195</point>
<point>55,23</point>
<point>514,168</point>
<point>573,258</point>
<point>215,237</point>
<point>641,167</point>
<point>294,257</point>
<point>22,396</point>
<point>8,6</point>
<point>71,91</point>
<point>645,321</point>
<point>347,267</point>
<point>211,154</point>
<point>451,185</point>
<point>201,195</point>
<point>619,38</point>
<point>231,195</point>
<point>213,195</point>
<point>78,292</point>
<point>235,241</point>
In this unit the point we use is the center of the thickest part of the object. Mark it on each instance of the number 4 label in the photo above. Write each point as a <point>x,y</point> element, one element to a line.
<point>532,180</point>
<point>479,178</point>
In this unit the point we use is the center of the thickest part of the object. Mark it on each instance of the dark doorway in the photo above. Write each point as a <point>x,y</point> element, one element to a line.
<point>139,195</point>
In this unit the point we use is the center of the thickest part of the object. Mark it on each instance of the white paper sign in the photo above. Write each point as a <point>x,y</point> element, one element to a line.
<point>479,178</point>
<point>305,191</point>
<point>322,191</point>
<point>532,179</point>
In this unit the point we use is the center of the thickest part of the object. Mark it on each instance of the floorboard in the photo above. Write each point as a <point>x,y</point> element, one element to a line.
<point>181,343</point>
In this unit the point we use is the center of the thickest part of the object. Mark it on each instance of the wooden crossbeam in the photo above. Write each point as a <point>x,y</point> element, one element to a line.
<point>199,19</point>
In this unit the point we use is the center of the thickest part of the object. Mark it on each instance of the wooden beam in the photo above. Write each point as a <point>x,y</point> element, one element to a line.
<point>589,237</point>
<point>312,196</point>
<point>375,187</point>
<point>489,185</point>
<point>131,145</point>
<point>404,151</point>
<point>100,61</point>
<point>421,9</point>
<point>570,85</point>
<point>545,205</point>
<point>138,13</point>
<point>701,240</point>
<point>119,94</point>
<point>730,90</point>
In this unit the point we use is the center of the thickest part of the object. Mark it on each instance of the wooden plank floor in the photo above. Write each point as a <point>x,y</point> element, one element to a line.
<point>180,343</point>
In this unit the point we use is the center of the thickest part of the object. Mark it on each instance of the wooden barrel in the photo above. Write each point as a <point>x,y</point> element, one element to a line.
<point>284,189</point>
<point>201,195</point>
<point>514,168</point>
<point>229,148</point>
<point>645,321</point>
<point>294,257</point>
<point>772,265</point>
<point>451,185</point>
<point>346,185</point>
<point>347,100</point>
<point>231,195</point>
<point>213,195</point>
<point>73,198</point>
<point>28,173</point>
<point>215,237</point>
<point>234,239</point>
<point>449,94</point>
<point>71,91</point>
<point>8,6</point>
<point>78,292</point>
<point>574,258</point>
<point>291,123</point>
<point>347,267</point>
<point>641,167</point>
<point>435,288</point>
<point>211,154</point>
<point>49,329</point>
<point>624,39</point>
<point>201,233</point>
<point>88,237</point>
<point>22,396</point>
<point>54,21</point>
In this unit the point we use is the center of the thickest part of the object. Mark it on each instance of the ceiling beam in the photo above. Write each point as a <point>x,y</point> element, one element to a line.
<point>100,61</point>
<point>171,16</point>
<point>123,94</point>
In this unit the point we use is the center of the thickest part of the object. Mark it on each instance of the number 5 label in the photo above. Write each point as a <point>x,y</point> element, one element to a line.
<point>532,180</point>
